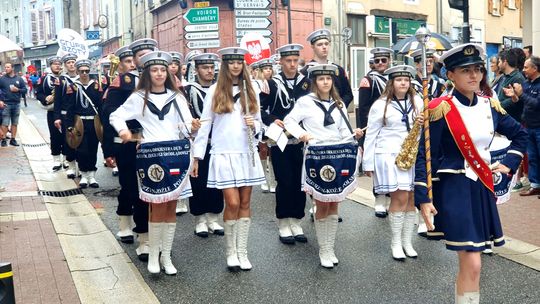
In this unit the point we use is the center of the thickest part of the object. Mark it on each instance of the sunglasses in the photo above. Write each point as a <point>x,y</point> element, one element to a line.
<point>380,60</point>
<point>84,71</point>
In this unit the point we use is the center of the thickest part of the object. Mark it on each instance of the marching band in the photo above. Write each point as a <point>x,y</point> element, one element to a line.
<point>176,135</point>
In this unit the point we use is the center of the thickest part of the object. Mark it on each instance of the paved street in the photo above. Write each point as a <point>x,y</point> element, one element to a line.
<point>291,274</point>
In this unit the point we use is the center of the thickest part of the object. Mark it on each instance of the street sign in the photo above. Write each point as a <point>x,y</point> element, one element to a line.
<point>267,39</point>
<point>92,35</point>
<point>202,15</point>
<point>252,13</point>
<point>201,4</point>
<point>252,23</point>
<point>251,4</point>
<point>203,44</point>
<point>201,35</point>
<point>201,27</point>
<point>264,32</point>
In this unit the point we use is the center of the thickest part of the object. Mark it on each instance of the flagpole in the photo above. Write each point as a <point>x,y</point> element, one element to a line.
<point>423,35</point>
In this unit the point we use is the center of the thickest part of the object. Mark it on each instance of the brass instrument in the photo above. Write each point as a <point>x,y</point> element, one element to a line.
<point>409,148</point>
<point>115,61</point>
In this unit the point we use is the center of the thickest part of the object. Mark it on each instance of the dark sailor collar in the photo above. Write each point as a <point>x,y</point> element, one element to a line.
<point>465,100</point>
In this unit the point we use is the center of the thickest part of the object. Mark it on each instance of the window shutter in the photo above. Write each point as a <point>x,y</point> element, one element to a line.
<point>52,23</point>
<point>41,25</point>
<point>34,24</point>
<point>502,4</point>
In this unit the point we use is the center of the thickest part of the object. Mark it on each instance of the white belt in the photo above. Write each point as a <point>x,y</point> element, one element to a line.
<point>63,112</point>
<point>89,117</point>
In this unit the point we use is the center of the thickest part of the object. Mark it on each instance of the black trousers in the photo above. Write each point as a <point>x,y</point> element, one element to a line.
<point>204,200</point>
<point>128,199</point>
<point>87,151</point>
<point>57,141</point>
<point>69,153</point>
<point>290,199</point>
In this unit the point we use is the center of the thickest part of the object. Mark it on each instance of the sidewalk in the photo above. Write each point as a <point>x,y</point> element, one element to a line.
<point>60,250</point>
<point>519,217</point>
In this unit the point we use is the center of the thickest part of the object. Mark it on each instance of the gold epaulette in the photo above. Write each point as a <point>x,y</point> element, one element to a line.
<point>439,111</point>
<point>496,104</point>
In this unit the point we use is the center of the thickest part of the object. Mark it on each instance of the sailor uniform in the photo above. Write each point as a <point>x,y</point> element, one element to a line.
<point>436,87</point>
<point>383,141</point>
<point>204,199</point>
<point>467,219</point>
<point>371,88</point>
<point>159,120</point>
<point>87,109</point>
<point>45,88</point>
<point>282,98</point>
<point>230,157</point>
<point>64,102</point>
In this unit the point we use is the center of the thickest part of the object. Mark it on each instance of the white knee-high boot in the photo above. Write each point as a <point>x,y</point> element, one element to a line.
<point>124,232</point>
<point>154,241</point>
<point>396,225</point>
<point>321,228</point>
<point>213,225</point>
<point>242,241</point>
<point>231,228</point>
<point>408,231</point>
<point>167,238</point>
<point>380,205</point>
<point>332,225</point>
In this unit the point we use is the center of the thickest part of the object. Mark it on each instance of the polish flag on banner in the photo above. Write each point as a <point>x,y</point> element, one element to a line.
<point>257,46</point>
<point>174,171</point>
<point>345,172</point>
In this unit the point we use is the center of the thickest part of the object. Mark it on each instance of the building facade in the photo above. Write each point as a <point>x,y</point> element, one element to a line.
<point>11,27</point>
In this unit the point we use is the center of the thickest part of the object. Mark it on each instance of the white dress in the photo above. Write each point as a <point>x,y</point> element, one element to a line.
<point>231,159</point>
<point>154,130</point>
<point>383,142</point>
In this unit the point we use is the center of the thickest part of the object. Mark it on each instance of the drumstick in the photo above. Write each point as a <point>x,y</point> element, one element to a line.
<point>363,129</point>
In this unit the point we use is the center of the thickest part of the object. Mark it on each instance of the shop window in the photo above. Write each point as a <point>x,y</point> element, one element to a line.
<point>358,25</point>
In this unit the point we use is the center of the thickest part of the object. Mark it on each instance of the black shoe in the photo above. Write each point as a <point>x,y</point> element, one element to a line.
<point>127,239</point>
<point>180,213</point>
<point>233,268</point>
<point>300,238</point>
<point>340,219</point>
<point>13,142</point>
<point>115,173</point>
<point>143,257</point>
<point>4,143</point>
<point>381,214</point>
<point>94,185</point>
<point>203,234</point>
<point>289,240</point>
<point>56,168</point>
<point>422,234</point>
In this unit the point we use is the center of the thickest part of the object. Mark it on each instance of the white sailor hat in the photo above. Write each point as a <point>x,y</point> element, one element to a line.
<point>156,58</point>
<point>371,60</point>
<point>191,54</point>
<point>143,44</point>
<point>52,59</point>
<point>123,52</point>
<point>233,53</point>
<point>381,52</point>
<point>322,69</point>
<point>462,55</point>
<point>83,62</point>
<point>68,57</point>
<point>292,49</point>
<point>266,62</point>
<point>319,34</point>
<point>401,71</point>
<point>205,58</point>
<point>417,55</point>
<point>177,57</point>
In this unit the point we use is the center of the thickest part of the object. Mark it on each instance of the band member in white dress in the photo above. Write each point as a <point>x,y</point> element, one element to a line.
<point>232,112</point>
<point>390,120</point>
<point>164,116</point>
<point>323,118</point>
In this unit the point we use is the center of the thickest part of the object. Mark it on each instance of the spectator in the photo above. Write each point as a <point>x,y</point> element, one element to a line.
<point>528,51</point>
<point>25,81</point>
<point>529,95</point>
<point>510,62</point>
<point>497,74</point>
<point>13,87</point>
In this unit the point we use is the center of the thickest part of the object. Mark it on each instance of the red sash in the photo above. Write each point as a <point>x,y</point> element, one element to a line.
<point>466,146</point>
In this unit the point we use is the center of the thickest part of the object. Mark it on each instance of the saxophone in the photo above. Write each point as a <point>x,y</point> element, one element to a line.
<point>409,148</point>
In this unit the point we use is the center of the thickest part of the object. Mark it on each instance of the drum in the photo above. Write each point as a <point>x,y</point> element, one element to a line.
<point>502,183</point>
<point>163,170</point>
<point>330,171</point>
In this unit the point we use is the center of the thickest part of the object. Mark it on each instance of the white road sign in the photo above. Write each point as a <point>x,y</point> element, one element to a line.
<point>201,35</point>
<point>252,13</point>
<point>252,23</point>
<point>264,32</point>
<point>201,27</point>
<point>203,44</point>
<point>268,40</point>
<point>251,3</point>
